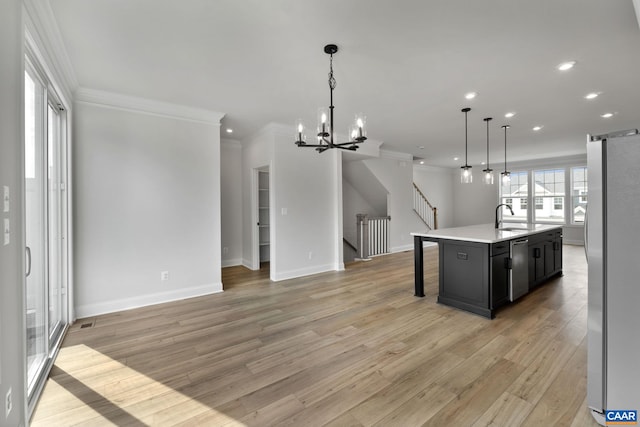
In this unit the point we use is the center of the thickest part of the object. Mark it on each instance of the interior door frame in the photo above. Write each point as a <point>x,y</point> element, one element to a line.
<point>255,213</point>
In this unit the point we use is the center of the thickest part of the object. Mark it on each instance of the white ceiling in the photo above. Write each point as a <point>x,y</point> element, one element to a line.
<point>405,64</point>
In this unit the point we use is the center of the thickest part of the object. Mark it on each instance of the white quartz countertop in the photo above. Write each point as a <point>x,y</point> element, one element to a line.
<point>487,233</point>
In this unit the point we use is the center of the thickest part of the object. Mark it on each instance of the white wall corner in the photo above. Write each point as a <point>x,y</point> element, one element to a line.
<point>636,6</point>
<point>232,262</point>
<point>147,106</point>
<point>113,306</point>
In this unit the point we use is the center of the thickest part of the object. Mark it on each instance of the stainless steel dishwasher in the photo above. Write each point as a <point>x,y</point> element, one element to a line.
<point>519,272</point>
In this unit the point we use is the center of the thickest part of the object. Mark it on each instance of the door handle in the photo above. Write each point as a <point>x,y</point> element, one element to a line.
<point>586,233</point>
<point>28,250</point>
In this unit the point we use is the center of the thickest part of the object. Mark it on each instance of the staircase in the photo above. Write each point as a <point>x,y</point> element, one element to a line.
<point>425,210</point>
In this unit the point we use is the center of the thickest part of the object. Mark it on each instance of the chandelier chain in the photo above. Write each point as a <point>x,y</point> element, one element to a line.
<point>332,80</point>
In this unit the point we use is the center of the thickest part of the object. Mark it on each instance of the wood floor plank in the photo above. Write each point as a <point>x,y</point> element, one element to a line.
<point>350,348</point>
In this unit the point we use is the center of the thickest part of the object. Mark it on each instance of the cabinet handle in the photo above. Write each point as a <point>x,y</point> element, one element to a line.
<point>536,252</point>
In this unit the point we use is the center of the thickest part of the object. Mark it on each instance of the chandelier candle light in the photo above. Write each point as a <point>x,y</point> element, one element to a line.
<point>506,175</point>
<point>326,131</point>
<point>488,172</point>
<point>466,176</point>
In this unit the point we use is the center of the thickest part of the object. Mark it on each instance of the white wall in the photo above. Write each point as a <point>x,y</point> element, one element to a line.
<point>395,173</point>
<point>231,201</point>
<point>146,200</point>
<point>308,185</point>
<point>12,351</point>
<point>352,204</point>
<point>473,203</point>
<point>436,183</point>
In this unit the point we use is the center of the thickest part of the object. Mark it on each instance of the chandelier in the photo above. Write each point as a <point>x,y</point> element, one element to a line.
<point>326,131</point>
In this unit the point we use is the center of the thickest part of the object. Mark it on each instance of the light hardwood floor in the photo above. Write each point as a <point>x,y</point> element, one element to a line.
<point>352,348</point>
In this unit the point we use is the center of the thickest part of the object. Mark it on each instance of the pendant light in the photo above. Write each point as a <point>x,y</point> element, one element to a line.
<point>506,175</point>
<point>488,172</point>
<point>466,177</point>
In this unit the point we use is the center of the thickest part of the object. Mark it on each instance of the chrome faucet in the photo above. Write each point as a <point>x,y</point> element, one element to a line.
<point>497,208</point>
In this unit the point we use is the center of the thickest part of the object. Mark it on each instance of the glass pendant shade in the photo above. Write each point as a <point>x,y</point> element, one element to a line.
<point>360,124</point>
<point>466,177</point>
<point>323,122</point>
<point>488,176</point>
<point>506,177</point>
<point>300,136</point>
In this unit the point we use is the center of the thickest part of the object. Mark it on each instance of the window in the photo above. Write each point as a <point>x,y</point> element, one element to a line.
<point>549,194</point>
<point>516,189</point>
<point>558,203</point>
<point>578,194</point>
<point>539,203</point>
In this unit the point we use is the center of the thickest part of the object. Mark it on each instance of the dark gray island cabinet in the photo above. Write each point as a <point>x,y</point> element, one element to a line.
<point>482,268</point>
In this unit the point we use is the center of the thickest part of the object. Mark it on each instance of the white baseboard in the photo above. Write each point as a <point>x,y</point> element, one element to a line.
<point>248,264</point>
<point>402,248</point>
<point>89,310</point>
<point>301,272</point>
<point>231,262</point>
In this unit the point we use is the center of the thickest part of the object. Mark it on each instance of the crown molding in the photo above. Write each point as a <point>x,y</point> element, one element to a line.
<point>45,38</point>
<point>147,106</point>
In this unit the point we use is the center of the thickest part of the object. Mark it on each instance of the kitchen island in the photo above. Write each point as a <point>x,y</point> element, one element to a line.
<point>483,268</point>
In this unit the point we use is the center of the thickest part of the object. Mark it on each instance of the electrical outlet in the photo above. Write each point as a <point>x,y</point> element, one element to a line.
<point>225,250</point>
<point>8,403</point>
<point>164,276</point>
<point>310,255</point>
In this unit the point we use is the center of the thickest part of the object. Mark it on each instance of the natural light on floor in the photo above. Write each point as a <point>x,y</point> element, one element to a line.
<point>118,394</point>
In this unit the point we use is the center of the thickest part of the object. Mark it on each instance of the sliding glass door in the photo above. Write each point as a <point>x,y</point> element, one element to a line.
<point>45,223</point>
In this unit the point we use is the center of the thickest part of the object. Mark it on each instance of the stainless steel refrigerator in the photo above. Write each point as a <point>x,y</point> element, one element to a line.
<point>613,252</point>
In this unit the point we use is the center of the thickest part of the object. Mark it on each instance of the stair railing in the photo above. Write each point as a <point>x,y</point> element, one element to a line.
<point>425,210</point>
<point>373,235</point>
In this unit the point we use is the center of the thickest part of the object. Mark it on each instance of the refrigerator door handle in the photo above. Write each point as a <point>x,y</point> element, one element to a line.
<point>586,233</point>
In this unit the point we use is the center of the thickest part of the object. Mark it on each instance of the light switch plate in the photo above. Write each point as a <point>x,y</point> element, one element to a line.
<point>7,231</point>
<point>5,198</point>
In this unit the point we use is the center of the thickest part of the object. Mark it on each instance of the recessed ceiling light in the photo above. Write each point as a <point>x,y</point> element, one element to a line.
<point>510,114</point>
<point>566,65</point>
<point>606,115</point>
<point>537,128</point>
<point>229,130</point>
<point>456,158</point>
<point>471,95</point>
<point>422,162</point>
<point>421,147</point>
<point>591,95</point>
<point>483,163</point>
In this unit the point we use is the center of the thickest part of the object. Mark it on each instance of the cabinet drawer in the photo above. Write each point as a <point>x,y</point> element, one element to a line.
<point>499,248</point>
